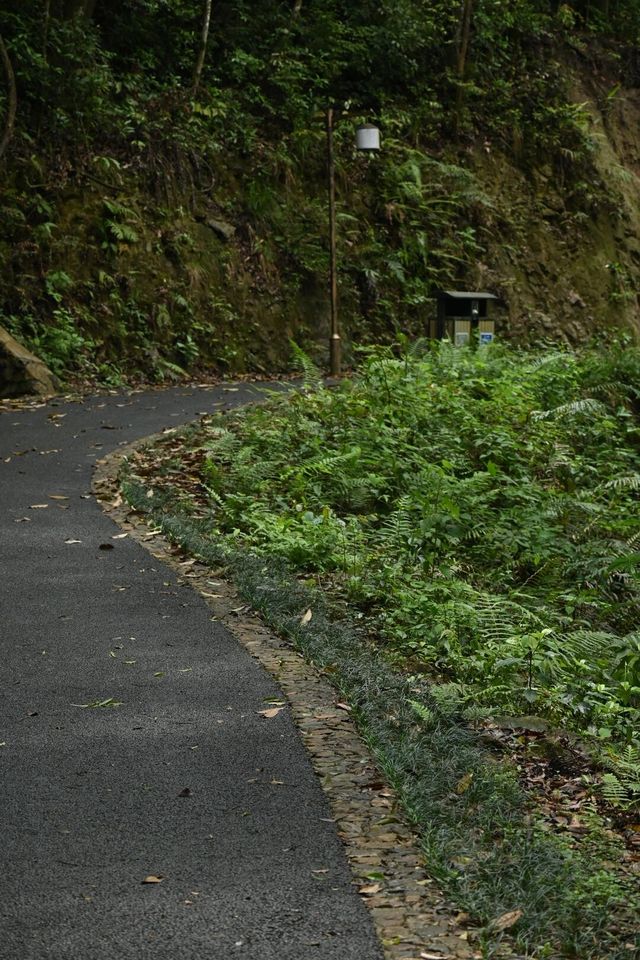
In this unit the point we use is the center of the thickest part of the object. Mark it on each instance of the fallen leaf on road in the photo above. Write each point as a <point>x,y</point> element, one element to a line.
<point>185,793</point>
<point>73,541</point>
<point>272,712</point>
<point>370,889</point>
<point>57,496</point>
<point>153,879</point>
<point>120,536</point>
<point>39,506</point>
<point>106,546</point>
<point>343,706</point>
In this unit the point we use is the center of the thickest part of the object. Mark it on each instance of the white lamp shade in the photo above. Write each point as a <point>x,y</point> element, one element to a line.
<point>367,137</point>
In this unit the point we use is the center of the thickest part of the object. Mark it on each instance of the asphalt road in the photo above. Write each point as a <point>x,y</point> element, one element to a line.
<point>91,797</point>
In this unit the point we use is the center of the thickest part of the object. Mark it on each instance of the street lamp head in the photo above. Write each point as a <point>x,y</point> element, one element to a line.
<point>367,137</point>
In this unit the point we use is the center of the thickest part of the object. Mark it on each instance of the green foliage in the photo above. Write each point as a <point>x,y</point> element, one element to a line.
<point>480,840</point>
<point>107,114</point>
<point>481,506</point>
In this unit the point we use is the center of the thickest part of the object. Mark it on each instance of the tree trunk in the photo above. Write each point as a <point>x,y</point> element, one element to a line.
<point>202,50</point>
<point>464,38</point>
<point>12,98</point>
<point>46,17</point>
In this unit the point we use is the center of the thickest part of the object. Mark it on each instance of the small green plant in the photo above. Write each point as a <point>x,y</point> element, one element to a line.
<point>116,226</point>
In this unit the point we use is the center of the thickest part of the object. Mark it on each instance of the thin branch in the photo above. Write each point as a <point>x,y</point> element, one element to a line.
<point>464,37</point>
<point>46,19</point>
<point>12,100</point>
<point>204,38</point>
<point>463,40</point>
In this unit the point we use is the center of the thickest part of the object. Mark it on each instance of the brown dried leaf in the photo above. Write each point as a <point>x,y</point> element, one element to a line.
<point>305,618</point>
<point>271,712</point>
<point>370,889</point>
<point>506,920</point>
<point>153,879</point>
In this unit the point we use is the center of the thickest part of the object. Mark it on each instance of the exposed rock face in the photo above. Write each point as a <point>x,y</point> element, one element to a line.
<point>21,371</point>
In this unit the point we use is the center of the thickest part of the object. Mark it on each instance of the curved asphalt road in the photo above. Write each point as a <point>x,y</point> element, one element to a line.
<point>90,797</point>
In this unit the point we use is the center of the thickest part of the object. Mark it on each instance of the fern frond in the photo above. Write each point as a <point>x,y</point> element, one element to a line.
<point>589,645</point>
<point>311,374</point>
<point>575,408</point>
<point>613,790</point>
<point>631,482</point>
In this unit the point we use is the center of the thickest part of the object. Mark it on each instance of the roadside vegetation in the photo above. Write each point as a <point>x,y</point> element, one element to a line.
<point>463,526</point>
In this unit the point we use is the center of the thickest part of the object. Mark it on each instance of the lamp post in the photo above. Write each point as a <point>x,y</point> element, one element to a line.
<point>367,139</point>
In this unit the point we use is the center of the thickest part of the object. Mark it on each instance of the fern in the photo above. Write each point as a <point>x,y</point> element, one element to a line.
<point>574,650</point>
<point>122,232</point>
<point>311,374</point>
<point>624,483</point>
<point>588,405</point>
<point>622,786</point>
<point>117,209</point>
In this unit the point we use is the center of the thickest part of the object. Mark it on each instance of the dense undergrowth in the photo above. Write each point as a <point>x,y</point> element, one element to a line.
<point>462,526</point>
<point>481,509</point>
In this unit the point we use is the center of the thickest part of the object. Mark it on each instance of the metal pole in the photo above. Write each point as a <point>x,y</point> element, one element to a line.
<point>334,339</point>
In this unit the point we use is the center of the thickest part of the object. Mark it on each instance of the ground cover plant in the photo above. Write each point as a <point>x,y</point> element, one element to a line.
<point>463,526</point>
<point>482,509</point>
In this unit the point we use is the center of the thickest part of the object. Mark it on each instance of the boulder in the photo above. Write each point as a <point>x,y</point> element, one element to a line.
<point>21,371</point>
<point>225,231</point>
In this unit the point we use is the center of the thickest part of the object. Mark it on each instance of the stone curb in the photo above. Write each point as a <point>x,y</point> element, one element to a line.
<point>412,918</point>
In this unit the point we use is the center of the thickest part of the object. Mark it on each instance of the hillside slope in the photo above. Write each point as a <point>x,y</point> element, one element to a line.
<point>153,225</point>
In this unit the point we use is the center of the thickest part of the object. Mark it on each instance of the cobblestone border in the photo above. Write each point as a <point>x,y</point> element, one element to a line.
<point>412,918</point>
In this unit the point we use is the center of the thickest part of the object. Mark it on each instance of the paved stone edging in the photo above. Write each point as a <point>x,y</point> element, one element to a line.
<point>411,917</point>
